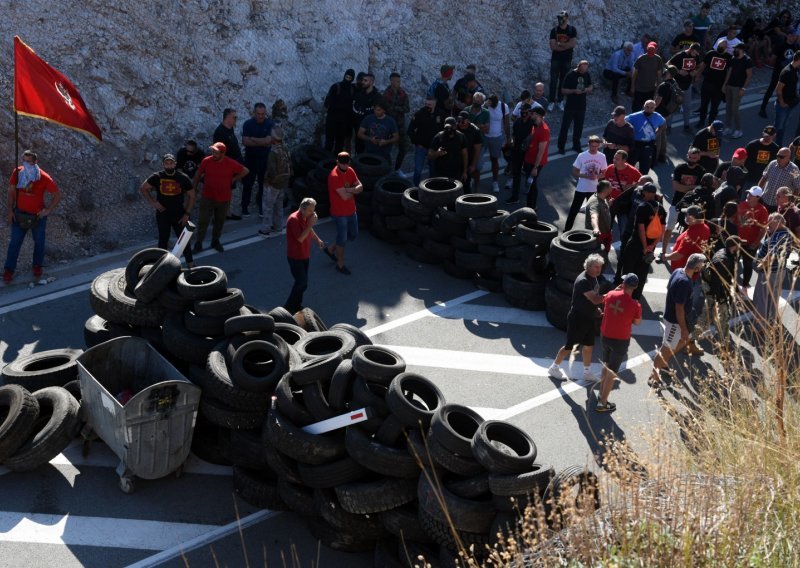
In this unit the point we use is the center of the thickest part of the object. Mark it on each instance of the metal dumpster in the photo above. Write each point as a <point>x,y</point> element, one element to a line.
<point>152,432</point>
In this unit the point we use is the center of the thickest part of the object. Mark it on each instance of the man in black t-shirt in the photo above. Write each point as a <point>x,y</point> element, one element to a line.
<point>709,141</point>
<point>339,116</point>
<point>715,70</point>
<point>577,84</point>
<point>735,87</point>
<point>635,256</point>
<point>618,134</point>
<point>687,62</point>
<point>684,178</point>
<point>563,39</point>
<point>173,202</point>
<point>189,158</point>
<point>227,135</point>
<point>760,152</point>
<point>787,98</point>
<point>474,138</point>
<point>448,152</point>
<point>686,38</point>
<point>363,99</point>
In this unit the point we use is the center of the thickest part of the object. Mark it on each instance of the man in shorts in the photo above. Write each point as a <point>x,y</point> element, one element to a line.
<point>676,314</point>
<point>343,186</point>
<point>620,313</point>
<point>583,312</point>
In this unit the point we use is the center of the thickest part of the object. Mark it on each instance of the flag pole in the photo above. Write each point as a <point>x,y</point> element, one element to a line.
<point>14,110</point>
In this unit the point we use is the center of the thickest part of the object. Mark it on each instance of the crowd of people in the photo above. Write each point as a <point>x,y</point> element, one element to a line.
<point>726,212</point>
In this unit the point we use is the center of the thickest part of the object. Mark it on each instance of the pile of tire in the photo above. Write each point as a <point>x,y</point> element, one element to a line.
<point>39,414</point>
<point>370,169</point>
<point>305,159</point>
<point>316,186</point>
<point>567,254</point>
<point>389,221</point>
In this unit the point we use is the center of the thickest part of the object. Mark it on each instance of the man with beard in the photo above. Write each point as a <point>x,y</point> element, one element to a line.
<point>343,186</point>
<point>473,136</point>
<point>647,124</point>
<point>709,140</point>
<point>189,158</point>
<point>448,152</point>
<point>520,136</point>
<point>787,98</point>
<point>424,125</point>
<point>618,134</point>
<point>378,131</point>
<point>646,74</point>
<point>687,63</point>
<point>563,39</point>
<point>339,117</point>
<point>714,69</point>
<point>648,229</point>
<point>735,87</point>
<point>536,154</point>
<point>227,135</point>
<point>577,84</point>
<point>623,177</point>
<point>784,47</point>
<point>257,142</point>
<point>397,107</point>
<point>719,284</point>
<point>684,178</point>
<point>363,101</point>
<point>760,152</point>
<point>587,168</point>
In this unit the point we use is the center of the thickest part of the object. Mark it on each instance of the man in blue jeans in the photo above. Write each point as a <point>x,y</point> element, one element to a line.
<point>647,123</point>
<point>787,98</point>
<point>299,234</point>
<point>343,186</point>
<point>27,210</point>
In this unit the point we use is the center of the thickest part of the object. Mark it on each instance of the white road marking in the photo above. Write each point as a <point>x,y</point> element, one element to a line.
<point>44,298</point>
<point>75,530</point>
<point>204,539</point>
<point>427,312</point>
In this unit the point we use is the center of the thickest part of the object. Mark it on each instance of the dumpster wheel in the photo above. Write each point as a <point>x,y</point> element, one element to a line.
<point>126,485</point>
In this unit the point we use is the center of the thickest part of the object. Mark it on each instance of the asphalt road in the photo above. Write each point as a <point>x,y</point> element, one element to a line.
<point>480,351</point>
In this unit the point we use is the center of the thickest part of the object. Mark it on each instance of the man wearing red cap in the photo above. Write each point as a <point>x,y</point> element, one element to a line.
<point>738,159</point>
<point>646,74</point>
<point>440,90</point>
<point>218,173</point>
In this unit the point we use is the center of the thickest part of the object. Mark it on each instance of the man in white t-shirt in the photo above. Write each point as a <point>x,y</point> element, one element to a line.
<point>731,38</point>
<point>499,133</point>
<point>589,165</point>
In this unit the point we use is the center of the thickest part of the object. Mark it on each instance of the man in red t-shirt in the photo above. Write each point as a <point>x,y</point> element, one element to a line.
<point>693,239</point>
<point>752,222</point>
<point>343,186</point>
<point>622,176</point>
<point>299,234</point>
<point>218,173</point>
<point>620,312</point>
<point>27,187</point>
<point>536,155</point>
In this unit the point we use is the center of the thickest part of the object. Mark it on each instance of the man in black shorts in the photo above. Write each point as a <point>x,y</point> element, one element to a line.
<point>583,312</point>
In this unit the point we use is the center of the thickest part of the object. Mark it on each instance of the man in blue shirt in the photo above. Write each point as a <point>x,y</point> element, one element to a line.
<point>647,123</point>
<point>619,67</point>
<point>257,140</point>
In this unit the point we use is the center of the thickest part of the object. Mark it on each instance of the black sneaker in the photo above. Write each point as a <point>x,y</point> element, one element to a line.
<point>512,200</point>
<point>234,217</point>
<point>198,247</point>
<point>264,233</point>
<point>762,113</point>
<point>343,270</point>
<point>218,245</point>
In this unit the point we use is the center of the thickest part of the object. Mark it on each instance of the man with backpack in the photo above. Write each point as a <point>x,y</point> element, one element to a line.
<point>669,97</point>
<point>648,228</point>
<point>279,172</point>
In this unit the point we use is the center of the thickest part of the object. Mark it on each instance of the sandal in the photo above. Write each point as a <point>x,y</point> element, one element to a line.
<point>607,407</point>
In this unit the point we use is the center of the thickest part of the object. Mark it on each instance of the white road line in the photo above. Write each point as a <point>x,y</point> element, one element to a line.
<point>45,298</point>
<point>516,316</point>
<point>74,530</point>
<point>204,539</point>
<point>432,311</point>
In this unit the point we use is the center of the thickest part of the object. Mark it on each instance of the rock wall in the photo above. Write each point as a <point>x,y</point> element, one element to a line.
<point>154,74</point>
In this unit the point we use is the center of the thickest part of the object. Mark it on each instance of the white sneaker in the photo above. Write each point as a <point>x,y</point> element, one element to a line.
<point>556,372</point>
<point>402,174</point>
<point>530,181</point>
<point>561,106</point>
<point>590,377</point>
<point>551,107</point>
<point>495,187</point>
<point>736,134</point>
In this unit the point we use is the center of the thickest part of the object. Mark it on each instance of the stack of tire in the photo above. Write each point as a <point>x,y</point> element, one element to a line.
<point>316,186</point>
<point>389,221</point>
<point>567,255</point>
<point>523,243</point>
<point>305,159</point>
<point>39,415</point>
<point>370,168</point>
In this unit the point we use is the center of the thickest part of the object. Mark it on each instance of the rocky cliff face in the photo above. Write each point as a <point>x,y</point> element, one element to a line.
<point>154,74</point>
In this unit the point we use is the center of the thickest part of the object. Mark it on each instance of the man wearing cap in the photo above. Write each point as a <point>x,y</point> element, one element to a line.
<point>619,66</point>
<point>752,222</point>
<point>339,115</point>
<point>731,38</point>
<point>620,313</point>
<point>735,86</point>
<point>440,90</point>
<point>424,125</point>
<point>536,154</point>
<point>219,173</point>
<point>343,186</point>
<point>623,178</point>
<point>714,69</point>
<point>646,233</point>
<point>299,234</point>
<point>687,63</point>
<point>618,134</point>
<point>787,97</point>
<point>779,172</point>
<point>364,100</point>
<point>646,126</point>
<point>397,106</point>
<point>677,332</point>
<point>464,89</point>
<point>474,138</point>
<point>667,103</point>
<point>685,39</point>
<point>646,74</point>
<point>588,167</point>
<point>189,158</point>
<point>256,138</point>
<point>738,159</point>
<point>583,312</point>
<point>378,131</point>
<point>173,202</point>
<point>709,141</point>
<point>26,190</point>
<point>730,189</point>
<point>577,84</point>
<point>771,262</point>
<point>278,174</point>
<point>226,134</point>
<point>448,151</point>
<point>520,137</point>
<point>760,152</point>
<point>563,39</point>
<point>719,284</point>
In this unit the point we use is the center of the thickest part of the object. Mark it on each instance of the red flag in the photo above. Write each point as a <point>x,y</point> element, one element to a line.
<point>42,92</point>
